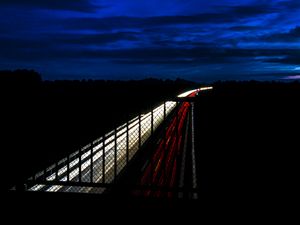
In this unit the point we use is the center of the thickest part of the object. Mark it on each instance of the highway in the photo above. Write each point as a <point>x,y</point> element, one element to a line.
<point>104,159</point>
<point>162,168</point>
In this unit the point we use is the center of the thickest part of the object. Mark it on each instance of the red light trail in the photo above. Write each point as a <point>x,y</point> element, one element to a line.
<point>162,171</point>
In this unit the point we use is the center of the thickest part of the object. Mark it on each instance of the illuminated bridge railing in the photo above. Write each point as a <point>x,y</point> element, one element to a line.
<point>102,160</point>
<point>96,166</point>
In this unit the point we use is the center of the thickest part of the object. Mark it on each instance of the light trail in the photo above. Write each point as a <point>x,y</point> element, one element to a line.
<point>70,170</point>
<point>162,169</point>
<point>195,195</point>
<point>183,162</point>
<point>164,159</point>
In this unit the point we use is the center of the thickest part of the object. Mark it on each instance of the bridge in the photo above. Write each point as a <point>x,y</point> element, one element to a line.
<point>146,156</point>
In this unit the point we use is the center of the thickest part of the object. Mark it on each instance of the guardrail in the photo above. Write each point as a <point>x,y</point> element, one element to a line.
<point>96,166</point>
<point>103,159</point>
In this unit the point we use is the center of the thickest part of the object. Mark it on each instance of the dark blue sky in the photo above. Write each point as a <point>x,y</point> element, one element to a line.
<point>199,40</point>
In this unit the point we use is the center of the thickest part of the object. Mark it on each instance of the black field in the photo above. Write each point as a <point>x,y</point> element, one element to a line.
<point>247,141</point>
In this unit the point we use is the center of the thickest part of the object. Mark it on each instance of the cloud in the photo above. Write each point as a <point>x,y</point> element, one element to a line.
<point>196,56</point>
<point>290,60</point>
<point>110,23</point>
<point>72,5</point>
<point>251,10</point>
<point>205,60</point>
<point>175,30</point>
<point>225,35</point>
<point>97,39</point>
<point>289,5</point>
<point>222,15</point>
<point>61,47</point>
<point>184,56</point>
<point>292,36</point>
<point>242,28</point>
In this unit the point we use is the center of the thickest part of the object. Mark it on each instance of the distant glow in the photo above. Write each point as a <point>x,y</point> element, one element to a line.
<point>296,77</point>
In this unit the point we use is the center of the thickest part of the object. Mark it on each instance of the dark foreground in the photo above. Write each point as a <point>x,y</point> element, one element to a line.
<point>43,121</point>
<point>248,141</point>
<point>246,146</point>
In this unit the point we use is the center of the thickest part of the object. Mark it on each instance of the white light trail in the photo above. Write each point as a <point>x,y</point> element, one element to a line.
<point>108,150</point>
<point>185,94</point>
<point>206,88</point>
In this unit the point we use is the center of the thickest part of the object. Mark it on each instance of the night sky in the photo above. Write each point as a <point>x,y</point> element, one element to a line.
<point>200,40</point>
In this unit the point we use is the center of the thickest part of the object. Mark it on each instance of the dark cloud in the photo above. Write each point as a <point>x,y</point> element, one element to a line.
<point>292,36</point>
<point>157,61</point>
<point>290,60</point>
<point>73,5</point>
<point>233,34</point>
<point>204,60</point>
<point>203,53</point>
<point>252,10</point>
<point>242,28</point>
<point>14,44</point>
<point>198,56</point>
<point>229,15</point>
<point>58,46</point>
<point>167,52</point>
<point>98,39</point>
<point>196,19</point>
<point>221,15</point>
<point>289,5</point>
<point>181,44</point>
<point>110,23</point>
<point>162,55</point>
